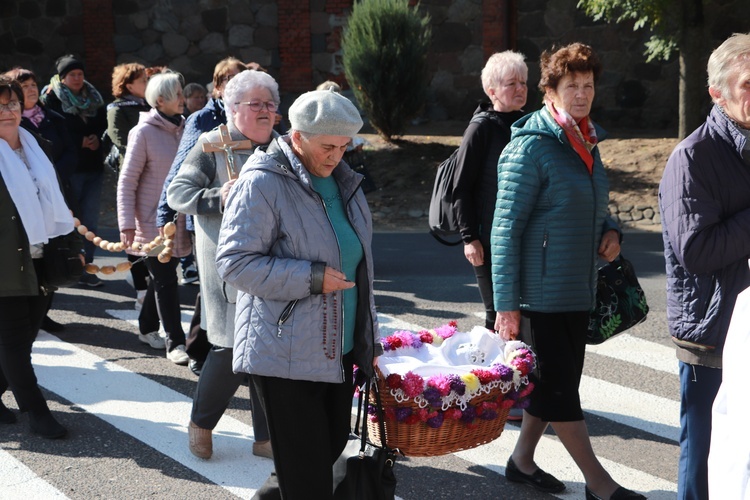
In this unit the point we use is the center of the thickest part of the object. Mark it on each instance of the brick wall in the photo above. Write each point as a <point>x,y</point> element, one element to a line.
<point>496,26</point>
<point>98,27</point>
<point>294,46</point>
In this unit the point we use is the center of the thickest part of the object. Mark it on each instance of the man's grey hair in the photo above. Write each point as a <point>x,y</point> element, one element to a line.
<point>724,62</point>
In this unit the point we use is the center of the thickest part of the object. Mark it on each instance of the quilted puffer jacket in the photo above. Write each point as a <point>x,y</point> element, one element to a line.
<point>549,219</point>
<point>704,197</point>
<point>274,244</point>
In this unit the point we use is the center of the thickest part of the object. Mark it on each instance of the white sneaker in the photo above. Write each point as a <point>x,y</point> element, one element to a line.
<point>153,339</point>
<point>178,355</point>
<point>139,298</point>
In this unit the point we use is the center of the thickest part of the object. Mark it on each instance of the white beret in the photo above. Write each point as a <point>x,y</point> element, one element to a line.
<point>325,112</point>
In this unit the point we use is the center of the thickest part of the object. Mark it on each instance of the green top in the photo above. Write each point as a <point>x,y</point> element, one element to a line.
<point>350,249</point>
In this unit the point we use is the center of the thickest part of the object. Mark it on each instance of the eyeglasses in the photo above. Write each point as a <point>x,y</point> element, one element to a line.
<point>12,106</point>
<point>258,105</point>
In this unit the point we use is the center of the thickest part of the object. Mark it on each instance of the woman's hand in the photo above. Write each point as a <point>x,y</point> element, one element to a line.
<point>225,191</point>
<point>507,324</point>
<point>127,236</point>
<point>474,253</point>
<point>609,248</point>
<point>335,280</point>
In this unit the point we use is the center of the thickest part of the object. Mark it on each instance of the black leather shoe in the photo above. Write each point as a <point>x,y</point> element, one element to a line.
<point>45,425</point>
<point>6,415</point>
<point>51,326</point>
<point>196,367</point>
<point>539,480</point>
<point>619,494</point>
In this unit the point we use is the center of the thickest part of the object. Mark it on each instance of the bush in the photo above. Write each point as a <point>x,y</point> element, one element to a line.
<point>385,60</point>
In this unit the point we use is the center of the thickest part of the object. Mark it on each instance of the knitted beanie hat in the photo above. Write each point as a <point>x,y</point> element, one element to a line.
<point>66,64</point>
<point>325,112</point>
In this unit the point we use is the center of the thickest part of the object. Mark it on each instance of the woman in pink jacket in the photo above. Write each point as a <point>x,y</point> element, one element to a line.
<point>152,145</point>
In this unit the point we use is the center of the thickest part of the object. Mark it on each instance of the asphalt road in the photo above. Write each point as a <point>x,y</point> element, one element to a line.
<point>127,407</point>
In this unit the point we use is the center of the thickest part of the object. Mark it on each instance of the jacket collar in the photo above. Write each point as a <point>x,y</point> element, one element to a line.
<point>719,122</point>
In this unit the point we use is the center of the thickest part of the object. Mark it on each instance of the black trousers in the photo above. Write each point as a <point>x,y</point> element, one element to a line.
<point>484,280</point>
<point>309,423</point>
<point>162,302</point>
<point>216,387</point>
<point>139,272</point>
<point>20,319</point>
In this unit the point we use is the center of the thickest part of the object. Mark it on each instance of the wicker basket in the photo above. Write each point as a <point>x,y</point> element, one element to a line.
<point>421,440</point>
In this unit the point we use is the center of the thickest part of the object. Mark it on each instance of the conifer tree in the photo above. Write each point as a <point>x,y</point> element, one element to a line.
<point>385,47</point>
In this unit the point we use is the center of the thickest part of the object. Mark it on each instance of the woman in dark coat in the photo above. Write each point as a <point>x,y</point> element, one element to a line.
<point>50,125</point>
<point>32,210</point>
<point>83,109</point>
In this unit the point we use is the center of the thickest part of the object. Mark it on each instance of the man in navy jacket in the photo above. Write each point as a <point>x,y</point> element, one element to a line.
<point>704,199</point>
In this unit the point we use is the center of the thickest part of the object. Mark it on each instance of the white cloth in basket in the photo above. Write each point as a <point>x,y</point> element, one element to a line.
<point>459,354</point>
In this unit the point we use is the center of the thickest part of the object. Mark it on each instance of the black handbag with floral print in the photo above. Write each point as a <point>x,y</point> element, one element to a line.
<point>620,301</point>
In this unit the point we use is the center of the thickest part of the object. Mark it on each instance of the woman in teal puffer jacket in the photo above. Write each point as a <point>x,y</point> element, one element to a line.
<point>550,226</point>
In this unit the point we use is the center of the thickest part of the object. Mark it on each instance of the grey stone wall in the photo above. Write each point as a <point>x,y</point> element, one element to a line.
<point>190,36</point>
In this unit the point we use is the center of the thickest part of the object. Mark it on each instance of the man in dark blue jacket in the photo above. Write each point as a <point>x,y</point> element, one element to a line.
<point>704,199</point>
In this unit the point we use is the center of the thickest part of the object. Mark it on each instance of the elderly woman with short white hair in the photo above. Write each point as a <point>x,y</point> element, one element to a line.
<point>200,189</point>
<point>152,145</point>
<point>475,179</point>
<point>295,242</point>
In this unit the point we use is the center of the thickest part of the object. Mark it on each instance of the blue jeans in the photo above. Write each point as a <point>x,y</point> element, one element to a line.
<point>698,388</point>
<point>86,189</point>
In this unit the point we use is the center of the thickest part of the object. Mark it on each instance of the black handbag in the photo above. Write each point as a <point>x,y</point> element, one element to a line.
<point>364,471</point>
<point>62,265</point>
<point>620,301</point>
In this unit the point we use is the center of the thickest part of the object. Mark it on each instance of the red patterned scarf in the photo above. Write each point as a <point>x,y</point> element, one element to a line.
<point>582,136</point>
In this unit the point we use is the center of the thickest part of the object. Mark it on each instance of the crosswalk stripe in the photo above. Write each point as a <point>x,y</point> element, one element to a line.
<point>158,417</point>
<point>148,411</point>
<point>639,352</point>
<point>18,481</point>
<point>491,455</point>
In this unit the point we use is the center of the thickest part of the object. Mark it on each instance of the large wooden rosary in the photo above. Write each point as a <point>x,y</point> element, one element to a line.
<point>162,245</point>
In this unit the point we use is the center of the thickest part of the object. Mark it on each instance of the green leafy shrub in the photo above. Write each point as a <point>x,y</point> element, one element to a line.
<point>385,60</point>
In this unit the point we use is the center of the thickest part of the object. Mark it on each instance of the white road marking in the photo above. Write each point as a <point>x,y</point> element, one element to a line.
<point>148,411</point>
<point>18,481</point>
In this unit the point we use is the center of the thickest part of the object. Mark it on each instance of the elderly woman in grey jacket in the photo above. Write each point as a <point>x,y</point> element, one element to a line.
<point>200,189</point>
<point>296,242</point>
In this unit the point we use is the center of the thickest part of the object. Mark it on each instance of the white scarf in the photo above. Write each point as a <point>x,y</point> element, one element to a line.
<point>41,205</point>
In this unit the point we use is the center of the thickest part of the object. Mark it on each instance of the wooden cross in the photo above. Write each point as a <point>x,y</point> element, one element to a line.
<point>227,146</point>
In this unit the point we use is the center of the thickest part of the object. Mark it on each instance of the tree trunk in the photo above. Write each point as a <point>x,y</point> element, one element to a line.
<point>693,57</point>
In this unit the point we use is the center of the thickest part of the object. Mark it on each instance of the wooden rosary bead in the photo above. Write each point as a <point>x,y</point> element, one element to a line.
<point>164,257</point>
<point>82,229</point>
<point>92,268</point>
<point>169,229</point>
<point>124,266</point>
<point>96,240</point>
<point>90,236</point>
<point>107,269</point>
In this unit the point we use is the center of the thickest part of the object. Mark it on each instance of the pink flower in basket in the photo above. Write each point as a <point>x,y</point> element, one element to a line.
<point>412,385</point>
<point>440,382</point>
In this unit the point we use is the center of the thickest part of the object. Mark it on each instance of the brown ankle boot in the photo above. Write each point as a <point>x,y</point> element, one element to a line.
<point>200,441</point>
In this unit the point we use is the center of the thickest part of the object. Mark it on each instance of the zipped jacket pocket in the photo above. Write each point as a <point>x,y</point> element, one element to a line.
<point>285,316</point>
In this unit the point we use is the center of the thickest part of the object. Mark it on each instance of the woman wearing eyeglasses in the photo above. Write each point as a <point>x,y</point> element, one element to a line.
<point>211,116</point>
<point>32,210</point>
<point>200,189</point>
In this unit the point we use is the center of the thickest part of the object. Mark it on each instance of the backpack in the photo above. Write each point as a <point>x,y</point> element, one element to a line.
<point>441,218</point>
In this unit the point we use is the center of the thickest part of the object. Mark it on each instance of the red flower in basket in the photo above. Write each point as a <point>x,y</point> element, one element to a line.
<point>484,376</point>
<point>393,381</point>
